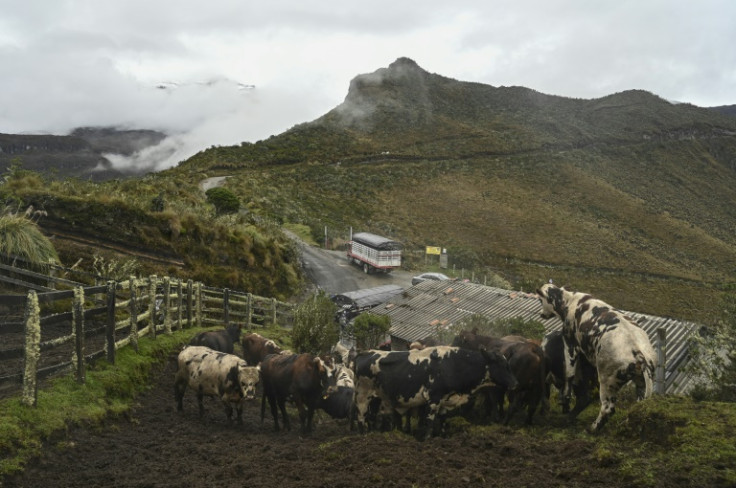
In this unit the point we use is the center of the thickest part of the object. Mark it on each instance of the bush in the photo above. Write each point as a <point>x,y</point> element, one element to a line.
<point>315,330</point>
<point>370,330</point>
<point>224,200</point>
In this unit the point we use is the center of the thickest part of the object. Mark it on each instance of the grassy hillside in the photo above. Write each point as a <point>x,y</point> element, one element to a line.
<point>628,196</point>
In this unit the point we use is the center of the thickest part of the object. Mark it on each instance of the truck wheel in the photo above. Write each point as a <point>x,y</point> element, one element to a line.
<point>366,268</point>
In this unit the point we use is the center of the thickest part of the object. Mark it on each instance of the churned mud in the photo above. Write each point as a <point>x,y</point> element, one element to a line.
<point>156,446</point>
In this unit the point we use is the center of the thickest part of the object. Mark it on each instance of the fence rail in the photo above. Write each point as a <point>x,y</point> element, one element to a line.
<point>51,331</point>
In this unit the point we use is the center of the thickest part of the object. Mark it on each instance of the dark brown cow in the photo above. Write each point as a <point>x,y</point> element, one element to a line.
<point>256,348</point>
<point>527,363</point>
<point>301,378</point>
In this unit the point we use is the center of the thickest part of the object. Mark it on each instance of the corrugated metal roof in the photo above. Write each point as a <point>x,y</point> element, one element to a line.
<point>420,310</point>
<point>367,297</point>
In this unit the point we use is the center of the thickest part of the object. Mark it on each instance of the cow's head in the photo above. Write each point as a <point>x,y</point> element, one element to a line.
<point>326,370</point>
<point>551,298</point>
<point>464,339</point>
<point>498,368</point>
<point>248,377</point>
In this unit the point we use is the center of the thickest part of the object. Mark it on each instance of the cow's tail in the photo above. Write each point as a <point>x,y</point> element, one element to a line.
<point>645,368</point>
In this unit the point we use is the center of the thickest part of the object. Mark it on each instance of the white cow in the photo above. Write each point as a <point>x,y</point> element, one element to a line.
<point>614,344</point>
<point>214,373</point>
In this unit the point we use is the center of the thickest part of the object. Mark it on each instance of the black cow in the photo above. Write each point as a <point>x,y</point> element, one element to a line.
<point>301,378</point>
<point>433,380</point>
<point>527,363</point>
<point>222,340</point>
<point>586,376</point>
<point>339,403</point>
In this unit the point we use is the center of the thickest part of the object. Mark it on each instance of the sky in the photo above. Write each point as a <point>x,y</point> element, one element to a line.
<point>240,71</point>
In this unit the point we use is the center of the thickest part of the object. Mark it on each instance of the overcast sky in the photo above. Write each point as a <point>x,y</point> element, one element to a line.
<point>71,63</point>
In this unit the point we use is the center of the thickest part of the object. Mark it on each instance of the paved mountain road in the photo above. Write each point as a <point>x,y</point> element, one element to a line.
<point>331,271</point>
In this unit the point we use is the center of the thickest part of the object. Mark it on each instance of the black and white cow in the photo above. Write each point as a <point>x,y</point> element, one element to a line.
<point>217,374</point>
<point>618,348</point>
<point>433,380</point>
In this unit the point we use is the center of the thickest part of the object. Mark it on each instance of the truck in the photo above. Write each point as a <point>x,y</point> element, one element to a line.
<point>374,253</point>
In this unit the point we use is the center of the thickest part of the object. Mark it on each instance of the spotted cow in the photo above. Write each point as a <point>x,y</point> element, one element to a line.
<point>434,381</point>
<point>618,348</point>
<point>217,374</point>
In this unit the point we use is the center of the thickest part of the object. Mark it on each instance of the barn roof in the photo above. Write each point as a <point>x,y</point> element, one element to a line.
<point>422,309</point>
<point>367,297</point>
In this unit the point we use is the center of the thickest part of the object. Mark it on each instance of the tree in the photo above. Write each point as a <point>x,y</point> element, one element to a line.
<point>20,236</point>
<point>315,330</point>
<point>370,330</point>
<point>225,201</point>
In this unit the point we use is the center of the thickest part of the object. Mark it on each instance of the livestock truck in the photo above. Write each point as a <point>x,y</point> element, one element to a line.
<point>374,253</point>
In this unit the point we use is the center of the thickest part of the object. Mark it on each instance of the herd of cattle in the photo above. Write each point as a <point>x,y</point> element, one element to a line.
<point>598,346</point>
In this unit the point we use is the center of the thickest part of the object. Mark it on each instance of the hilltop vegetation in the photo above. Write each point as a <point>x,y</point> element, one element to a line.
<point>627,196</point>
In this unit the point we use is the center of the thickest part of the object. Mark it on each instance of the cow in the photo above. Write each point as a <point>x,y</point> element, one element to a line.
<point>216,374</point>
<point>301,378</point>
<point>586,377</point>
<point>527,363</point>
<point>338,404</point>
<point>222,340</point>
<point>614,344</point>
<point>434,380</point>
<point>422,343</point>
<point>256,347</point>
<point>343,355</point>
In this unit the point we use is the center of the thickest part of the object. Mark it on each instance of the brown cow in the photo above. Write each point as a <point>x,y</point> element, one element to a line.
<point>527,363</point>
<point>256,347</point>
<point>301,378</point>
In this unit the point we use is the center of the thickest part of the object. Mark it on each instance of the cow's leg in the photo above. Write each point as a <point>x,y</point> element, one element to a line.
<point>608,390</point>
<point>282,407</point>
<point>570,356</point>
<point>229,411</point>
<point>239,410</point>
<point>179,389</point>
<point>361,405</point>
<point>200,398</point>
<point>310,416</point>
<point>272,403</point>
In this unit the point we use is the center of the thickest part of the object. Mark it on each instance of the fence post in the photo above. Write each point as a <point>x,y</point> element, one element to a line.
<point>179,303</point>
<point>226,306</point>
<point>134,313</point>
<point>190,287</point>
<point>249,310</point>
<point>659,386</point>
<point>273,311</point>
<point>110,332</point>
<point>198,304</point>
<point>166,305</point>
<point>78,320</point>
<point>32,353</point>
<point>152,304</point>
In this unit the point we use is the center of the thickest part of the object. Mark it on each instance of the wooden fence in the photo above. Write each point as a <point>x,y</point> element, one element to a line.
<point>46,332</point>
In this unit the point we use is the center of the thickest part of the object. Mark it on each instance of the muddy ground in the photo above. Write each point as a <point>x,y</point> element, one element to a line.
<point>155,446</point>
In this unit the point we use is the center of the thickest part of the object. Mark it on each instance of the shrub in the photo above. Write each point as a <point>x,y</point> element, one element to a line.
<point>315,330</point>
<point>370,330</point>
<point>224,200</point>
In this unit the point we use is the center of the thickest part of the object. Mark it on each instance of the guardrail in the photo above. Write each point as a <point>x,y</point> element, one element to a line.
<point>57,331</point>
